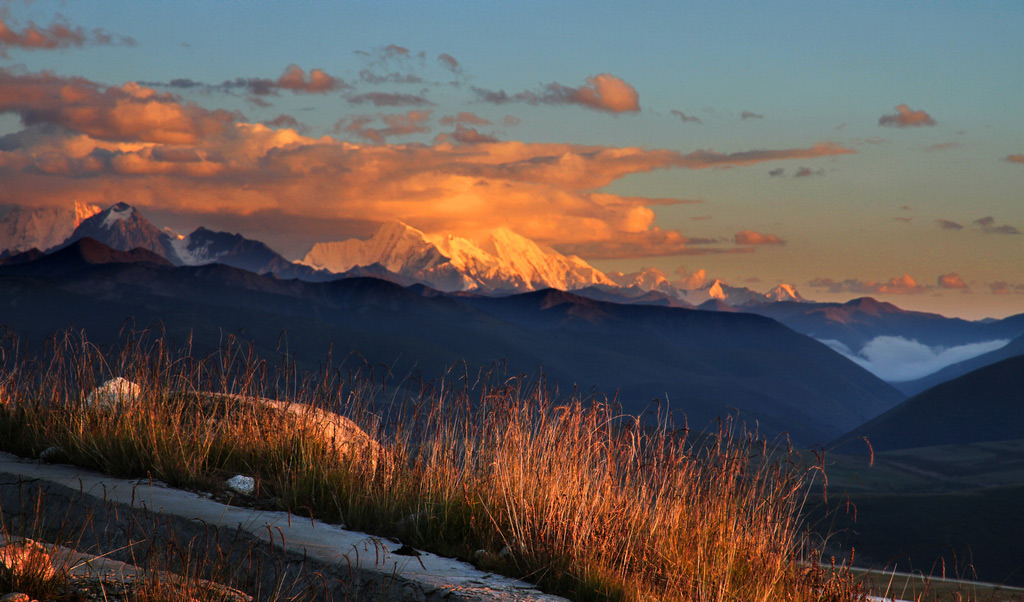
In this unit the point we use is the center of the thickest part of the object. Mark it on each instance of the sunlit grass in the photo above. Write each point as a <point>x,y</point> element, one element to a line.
<point>564,492</point>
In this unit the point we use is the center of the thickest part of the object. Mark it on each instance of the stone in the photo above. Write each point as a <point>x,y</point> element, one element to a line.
<point>52,454</point>
<point>241,484</point>
<point>341,433</point>
<point>27,556</point>
<point>112,393</point>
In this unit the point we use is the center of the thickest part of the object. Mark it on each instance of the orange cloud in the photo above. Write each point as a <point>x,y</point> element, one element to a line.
<point>56,35</point>
<point>130,143</point>
<point>749,237</point>
<point>898,285</point>
<point>603,92</point>
<point>1015,158</point>
<point>317,82</point>
<point>951,281</point>
<point>127,113</point>
<point>906,117</point>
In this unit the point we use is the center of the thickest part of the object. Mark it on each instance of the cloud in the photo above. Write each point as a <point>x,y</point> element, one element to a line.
<point>750,115</point>
<point>511,121</point>
<point>952,281</point>
<point>385,99</point>
<point>897,285</point>
<point>686,118</point>
<point>468,135</point>
<point>448,62</point>
<point>1015,158</point>
<point>369,77</point>
<point>465,118</point>
<point>1001,287</point>
<point>778,171</point>
<point>988,226</point>
<point>804,172</point>
<point>906,117</point>
<point>603,92</point>
<point>58,34</point>
<point>98,144</point>
<point>945,224</point>
<point>127,113</point>
<point>397,124</point>
<point>749,237</point>
<point>897,359</point>
<point>316,82</point>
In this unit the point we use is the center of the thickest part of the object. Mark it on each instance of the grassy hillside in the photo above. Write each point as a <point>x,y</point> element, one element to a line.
<point>565,492</point>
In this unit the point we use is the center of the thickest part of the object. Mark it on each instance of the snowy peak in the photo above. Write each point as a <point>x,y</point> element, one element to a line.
<point>783,293</point>
<point>24,228</point>
<point>123,228</point>
<point>504,261</point>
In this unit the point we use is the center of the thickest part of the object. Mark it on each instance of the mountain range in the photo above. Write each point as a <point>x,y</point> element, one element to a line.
<point>705,364</point>
<point>505,263</point>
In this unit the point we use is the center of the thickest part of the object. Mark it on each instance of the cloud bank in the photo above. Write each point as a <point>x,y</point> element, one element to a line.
<point>896,359</point>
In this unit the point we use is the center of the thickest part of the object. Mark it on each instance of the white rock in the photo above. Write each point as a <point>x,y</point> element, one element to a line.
<point>112,393</point>
<point>343,435</point>
<point>241,484</point>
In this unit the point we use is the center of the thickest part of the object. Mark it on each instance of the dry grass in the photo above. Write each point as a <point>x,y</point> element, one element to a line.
<point>566,493</point>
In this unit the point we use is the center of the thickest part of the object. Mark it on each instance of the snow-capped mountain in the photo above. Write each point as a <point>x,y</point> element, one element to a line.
<point>783,293</point>
<point>122,227</point>
<point>505,261</point>
<point>205,246</point>
<point>730,295</point>
<point>24,228</point>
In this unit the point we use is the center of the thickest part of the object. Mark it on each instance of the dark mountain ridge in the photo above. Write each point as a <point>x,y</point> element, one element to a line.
<point>706,364</point>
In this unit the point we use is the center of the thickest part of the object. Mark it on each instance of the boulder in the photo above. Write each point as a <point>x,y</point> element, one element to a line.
<point>112,393</point>
<point>27,557</point>
<point>340,433</point>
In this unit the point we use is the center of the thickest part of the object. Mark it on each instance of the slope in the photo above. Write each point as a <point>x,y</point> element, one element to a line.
<point>983,405</point>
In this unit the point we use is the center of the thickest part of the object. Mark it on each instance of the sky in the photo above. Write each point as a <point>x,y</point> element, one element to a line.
<point>847,148</point>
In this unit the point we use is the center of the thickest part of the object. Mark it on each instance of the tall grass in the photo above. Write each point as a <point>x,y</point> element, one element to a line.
<point>562,491</point>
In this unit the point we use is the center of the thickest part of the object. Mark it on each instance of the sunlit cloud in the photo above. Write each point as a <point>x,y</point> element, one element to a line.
<point>952,281</point>
<point>1015,158</point>
<point>897,359</point>
<point>988,226</point>
<point>750,237</point>
<point>58,34</point>
<point>603,92</point>
<point>906,117</point>
<point>897,285</point>
<point>130,143</point>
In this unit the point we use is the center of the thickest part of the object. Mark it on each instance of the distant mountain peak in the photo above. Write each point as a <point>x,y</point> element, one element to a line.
<point>24,228</point>
<point>505,260</point>
<point>785,292</point>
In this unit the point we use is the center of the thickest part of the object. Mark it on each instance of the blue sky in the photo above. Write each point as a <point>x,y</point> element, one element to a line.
<point>791,131</point>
